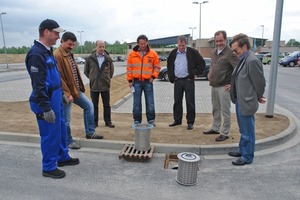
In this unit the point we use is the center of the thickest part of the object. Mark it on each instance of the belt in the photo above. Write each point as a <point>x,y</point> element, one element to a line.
<point>182,78</point>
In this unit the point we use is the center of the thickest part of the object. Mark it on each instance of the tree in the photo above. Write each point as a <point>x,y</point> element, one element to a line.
<point>293,43</point>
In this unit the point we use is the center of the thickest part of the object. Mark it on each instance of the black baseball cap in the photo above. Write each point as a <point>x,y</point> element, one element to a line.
<point>50,24</point>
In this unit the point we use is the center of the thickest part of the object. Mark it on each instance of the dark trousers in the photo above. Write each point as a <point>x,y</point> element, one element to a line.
<point>187,87</point>
<point>105,96</point>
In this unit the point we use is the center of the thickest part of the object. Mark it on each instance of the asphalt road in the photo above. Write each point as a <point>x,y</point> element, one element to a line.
<point>101,175</point>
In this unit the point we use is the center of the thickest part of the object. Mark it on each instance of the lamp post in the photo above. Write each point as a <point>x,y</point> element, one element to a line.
<point>80,40</point>
<point>3,13</point>
<point>262,35</point>
<point>192,31</point>
<point>200,3</point>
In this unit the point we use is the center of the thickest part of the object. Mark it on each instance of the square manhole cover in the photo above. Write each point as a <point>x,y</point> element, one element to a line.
<point>171,161</point>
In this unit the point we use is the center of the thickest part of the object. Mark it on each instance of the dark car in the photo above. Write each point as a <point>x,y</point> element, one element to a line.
<point>290,60</point>
<point>118,59</point>
<point>162,58</point>
<point>163,74</point>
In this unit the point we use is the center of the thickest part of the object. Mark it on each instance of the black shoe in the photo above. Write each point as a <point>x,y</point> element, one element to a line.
<point>175,124</point>
<point>239,162</point>
<point>189,127</point>
<point>152,122</point>
<point>110,125</point>
<point>71,161</point>
<point>74,145</point>
<point>221,138</point>
<point>94,136</point>
<point>211,132</point>
<point>234,154</point>
<point>56,174</point>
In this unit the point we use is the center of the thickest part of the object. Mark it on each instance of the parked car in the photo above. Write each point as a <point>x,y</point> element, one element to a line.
<point>260,56</point>
<point>162,58</point>
<point>268,57</point>
<point>298,63</point>
<point>290,60</point>
<point>80,60</point>
<point>163,74</point>
<point>118,59</point>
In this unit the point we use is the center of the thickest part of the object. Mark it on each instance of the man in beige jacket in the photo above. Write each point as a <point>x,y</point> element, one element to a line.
<point>74,89</point>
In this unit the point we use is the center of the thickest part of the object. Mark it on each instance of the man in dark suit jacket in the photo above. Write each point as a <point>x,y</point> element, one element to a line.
<point>247,89</point>
<point>184,63</point>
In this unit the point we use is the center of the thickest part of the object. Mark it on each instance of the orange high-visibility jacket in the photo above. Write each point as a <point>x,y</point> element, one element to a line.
<point>142,68</point>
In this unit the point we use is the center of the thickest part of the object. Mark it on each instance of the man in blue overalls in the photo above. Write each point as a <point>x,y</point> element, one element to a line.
<point>46,100</point>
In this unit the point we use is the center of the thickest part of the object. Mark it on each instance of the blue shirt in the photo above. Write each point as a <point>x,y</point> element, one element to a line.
<point>181,65</point>
<point>100,59</point>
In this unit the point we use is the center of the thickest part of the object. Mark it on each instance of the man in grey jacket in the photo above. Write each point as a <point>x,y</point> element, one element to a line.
<point>247,89</point>
<point>99,68</point>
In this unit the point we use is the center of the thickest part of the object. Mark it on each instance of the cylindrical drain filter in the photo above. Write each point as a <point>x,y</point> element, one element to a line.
<point>142,136</point>
<point>187,168</point>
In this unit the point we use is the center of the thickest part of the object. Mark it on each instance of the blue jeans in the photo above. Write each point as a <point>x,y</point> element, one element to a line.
<point>247,130</point>
<point>139,87</point>
<point>88,115</point>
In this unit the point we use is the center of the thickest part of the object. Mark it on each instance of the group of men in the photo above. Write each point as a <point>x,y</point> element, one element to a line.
<point>57,84</point>
<point>235,74</point>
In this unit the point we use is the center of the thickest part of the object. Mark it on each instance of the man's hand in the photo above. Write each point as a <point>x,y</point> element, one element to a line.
<point>227,87</point>
<point>71,99</point>
<point>262,100</point>
<point>49,116</point>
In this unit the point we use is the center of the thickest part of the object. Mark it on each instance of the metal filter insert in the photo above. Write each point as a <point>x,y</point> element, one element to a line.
<point>187,168</point>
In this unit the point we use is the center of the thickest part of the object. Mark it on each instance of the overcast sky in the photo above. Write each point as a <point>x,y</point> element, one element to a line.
<point>124,20</point>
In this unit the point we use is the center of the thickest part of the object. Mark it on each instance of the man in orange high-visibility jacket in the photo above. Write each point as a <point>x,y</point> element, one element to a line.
<point>143,67</point>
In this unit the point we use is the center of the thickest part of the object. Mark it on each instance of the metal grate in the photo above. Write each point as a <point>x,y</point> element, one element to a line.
<point>129,153</point>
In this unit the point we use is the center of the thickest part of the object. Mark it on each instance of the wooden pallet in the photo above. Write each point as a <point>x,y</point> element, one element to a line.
<point>129,153</point>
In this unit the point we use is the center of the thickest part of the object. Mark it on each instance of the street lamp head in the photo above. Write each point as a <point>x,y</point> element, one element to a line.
<point>3,13</point>
<point>196,2</point>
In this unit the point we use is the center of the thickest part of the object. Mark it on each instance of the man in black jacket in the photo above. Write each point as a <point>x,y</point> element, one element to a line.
<point>184,63</point>
<point>99,68</point>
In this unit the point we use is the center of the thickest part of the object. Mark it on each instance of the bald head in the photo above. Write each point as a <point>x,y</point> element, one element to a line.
<point>100,47</point>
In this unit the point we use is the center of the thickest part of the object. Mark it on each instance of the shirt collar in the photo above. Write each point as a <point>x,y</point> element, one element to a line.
<point>48,48</point>
<point>100,55</point>
<point>181,52</point>
<point>244,55</point>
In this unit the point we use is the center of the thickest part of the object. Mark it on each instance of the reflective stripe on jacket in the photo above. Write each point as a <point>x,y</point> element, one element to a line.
<point>142,67</point>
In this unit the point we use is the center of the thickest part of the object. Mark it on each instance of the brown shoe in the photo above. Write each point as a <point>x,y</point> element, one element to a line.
<point>221,138</point>
<point>211,131</point>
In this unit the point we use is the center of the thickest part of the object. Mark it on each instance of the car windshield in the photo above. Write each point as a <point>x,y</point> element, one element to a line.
<point>294,54</point>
